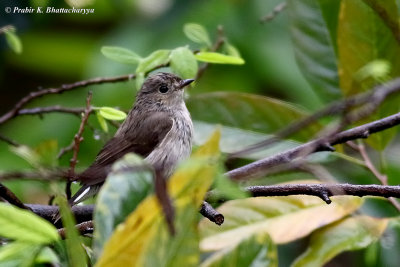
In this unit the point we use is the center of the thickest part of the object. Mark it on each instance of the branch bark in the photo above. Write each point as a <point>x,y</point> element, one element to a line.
<point>258,168</point>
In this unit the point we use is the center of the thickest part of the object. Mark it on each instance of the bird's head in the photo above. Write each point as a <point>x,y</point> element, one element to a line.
<point>163,89</point>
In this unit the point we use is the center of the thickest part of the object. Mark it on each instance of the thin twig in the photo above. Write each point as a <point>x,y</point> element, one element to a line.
<point>8,140</point>
<point>51,109</point>
<point>382,178</point>
<point>217,45</point>
<point>65,87</point>
<point>77,140</point>
<point>276,11</point>
<point>83,229</point>
<point>48,175</point>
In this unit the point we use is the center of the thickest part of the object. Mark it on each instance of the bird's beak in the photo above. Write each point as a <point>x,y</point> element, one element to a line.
<point>186,82</point>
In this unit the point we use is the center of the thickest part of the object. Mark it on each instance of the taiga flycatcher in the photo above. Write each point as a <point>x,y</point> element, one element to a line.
<point>158,128</point>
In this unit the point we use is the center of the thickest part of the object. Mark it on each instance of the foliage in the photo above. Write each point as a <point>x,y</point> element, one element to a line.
<point>341,48</point>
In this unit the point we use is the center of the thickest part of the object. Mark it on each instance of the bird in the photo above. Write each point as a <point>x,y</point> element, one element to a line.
<point>158,127</point>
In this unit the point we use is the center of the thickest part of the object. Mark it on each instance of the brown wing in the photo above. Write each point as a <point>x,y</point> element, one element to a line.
<point>144,135</point>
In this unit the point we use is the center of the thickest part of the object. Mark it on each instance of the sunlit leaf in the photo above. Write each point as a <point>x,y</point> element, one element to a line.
<point>21,254</point>
<point>257,250</point>
<point>13,41</point>
<point>120,54</point>
<point>213,57</point>
<point>47,255</point>
<point>27,153</point>
<point>183,63</point>
<point>348,234</point>
<point>157,58</point>
<point>23,225</point>
<point>102,122</point>
<point>197,33</point>
<point>313,30</point>
<point>75,251</point>
<point>112,113</point>
<point>275,216</point>
<point>378,70</point>
<point>126,186</point>
<point>143,239</point>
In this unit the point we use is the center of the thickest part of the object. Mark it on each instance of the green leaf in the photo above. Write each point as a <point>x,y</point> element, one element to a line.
<point>183,63</point>
<point>121,55</point>
<point>313,29</point>
<point>157,58</point>
<point>112,113</point>
<point>13,41</point>
<point>231,50</point>
<point>75,251</point>
<point>197,33</point>
<point>23,225</point>
<point>47,255</point>
<point>119,196</point>
<point>143,239</point>
<point>249,112</point>
<point>348,234</point>
<point>257,250</point>
<point>213,57</point>
<point>102,122</point>
<point>275,216</point>
<point>364,36</point>
<point>139,80</point>
<point>19,254</point>
<point>47,152</point>
<point>28,154</point>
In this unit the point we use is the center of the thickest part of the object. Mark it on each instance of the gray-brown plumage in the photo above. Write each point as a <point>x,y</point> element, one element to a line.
<point>158,128</point>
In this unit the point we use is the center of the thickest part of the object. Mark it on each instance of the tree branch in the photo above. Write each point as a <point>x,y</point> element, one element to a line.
<point>10,197</point>
<point>210,213</point>
<point>258,168</point>
<point>276,11</point>
<point>83,229</point>
<point>324,191</point>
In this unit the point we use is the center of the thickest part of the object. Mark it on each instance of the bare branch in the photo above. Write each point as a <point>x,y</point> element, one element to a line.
<point>8,140</point>
<point>324,191</point>
<point>210,213</point>
<point>51,109</point>
<point>258,168</point>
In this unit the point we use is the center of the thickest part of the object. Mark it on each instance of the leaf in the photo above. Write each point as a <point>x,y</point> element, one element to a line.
<point>213,57</point>
<point>19,254</point>
<point>257,250</point>
<point>348,234</point>
<point>139,80</point>
<point>47,152</point>
<point>47,255</point>
<point>23,225</point>
<point>183,63</point>
<point>75,251</point>
<point>102,122</point>
<point>13,41</point>
<point>157,58</point>
<point>119,196</point>
<point>26,153</point>
<point>121,55</point>
<point>313,26</point>
<point>112,114</point>
<point>231,50</point>
<point>249,112</point>
<point>275,216</point>
<point>197,33</point>
<point>144,235</point>
<point>365,34</point>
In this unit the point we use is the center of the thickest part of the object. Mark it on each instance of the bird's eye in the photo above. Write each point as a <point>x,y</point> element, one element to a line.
<point>163,89</point>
